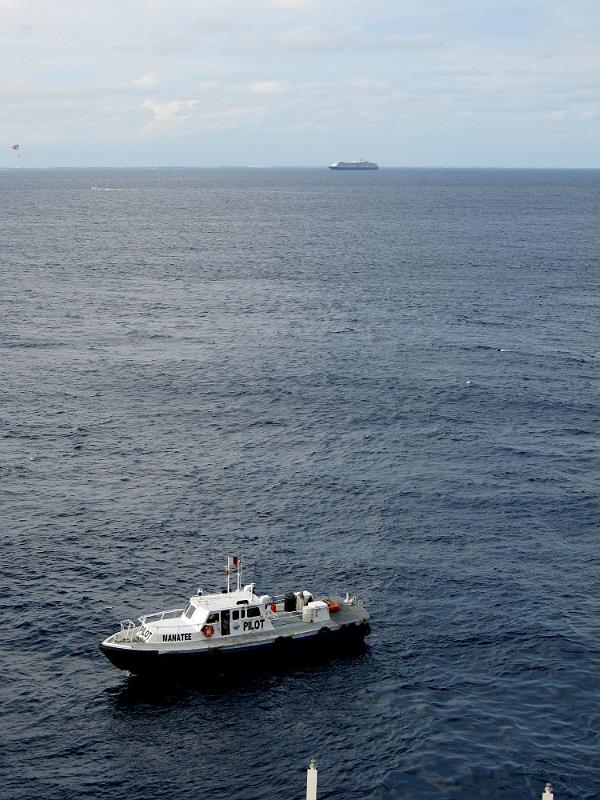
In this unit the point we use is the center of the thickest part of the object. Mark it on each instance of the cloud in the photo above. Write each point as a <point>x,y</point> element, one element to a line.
<point>292,3</point>
<point>311,39</point>
<point>589,115</point>
<point>147,83</point>
<point>122,47</point>
<point>269,87</point>
<point>368,85</point>
<point>58,61</point>
<point>209,86</point>
<point>557,115</point>
<point>195,36</point>
<point>166,112</point>
<point>315,39</point>
<point>187,118</point>
<point>21,90</point>
<point>171,44</point>
<point>410,42</point>
<point>232,117</point>
<point>326,67</point>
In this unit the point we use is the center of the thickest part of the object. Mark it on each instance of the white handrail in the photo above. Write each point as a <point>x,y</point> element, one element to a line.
<point>128,627</point>
<point>160,615</point>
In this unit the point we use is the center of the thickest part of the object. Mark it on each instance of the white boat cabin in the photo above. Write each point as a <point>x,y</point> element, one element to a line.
<point>230,614</point>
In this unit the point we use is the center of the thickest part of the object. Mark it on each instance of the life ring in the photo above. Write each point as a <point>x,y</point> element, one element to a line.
<point>208,631</point>
<point>333,605</point>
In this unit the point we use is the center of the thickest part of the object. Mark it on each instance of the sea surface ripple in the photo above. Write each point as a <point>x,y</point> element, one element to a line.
<point>383,382</point>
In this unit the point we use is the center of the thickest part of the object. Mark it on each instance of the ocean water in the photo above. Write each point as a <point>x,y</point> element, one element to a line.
<point>386,383</point>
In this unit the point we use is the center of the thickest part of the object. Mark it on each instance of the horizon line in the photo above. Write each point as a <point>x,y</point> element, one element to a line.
<point>19,167</point>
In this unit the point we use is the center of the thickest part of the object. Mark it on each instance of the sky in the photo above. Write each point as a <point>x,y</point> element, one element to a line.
<point>300,82</point>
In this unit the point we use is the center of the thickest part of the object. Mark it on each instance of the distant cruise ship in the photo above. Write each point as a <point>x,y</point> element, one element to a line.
<point>362,164</point>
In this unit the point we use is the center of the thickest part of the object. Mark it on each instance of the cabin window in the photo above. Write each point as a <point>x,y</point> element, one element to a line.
<point>242,603</point>
<point>214,617</point>
<point>225,622</point>
<point>253,611</point>
<point>243,613</point>
<point>189,612</point>
<point>235,614</point>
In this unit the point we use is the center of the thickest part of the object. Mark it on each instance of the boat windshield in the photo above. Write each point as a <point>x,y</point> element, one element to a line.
<point>189,612</point>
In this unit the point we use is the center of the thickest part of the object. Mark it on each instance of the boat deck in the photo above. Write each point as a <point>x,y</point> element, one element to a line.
<point>285,624</point>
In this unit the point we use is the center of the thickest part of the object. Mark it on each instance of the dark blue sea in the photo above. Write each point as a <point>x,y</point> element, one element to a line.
<point>384,382</point>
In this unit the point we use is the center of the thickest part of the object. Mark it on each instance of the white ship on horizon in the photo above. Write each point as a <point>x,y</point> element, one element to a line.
<point>361,164</point>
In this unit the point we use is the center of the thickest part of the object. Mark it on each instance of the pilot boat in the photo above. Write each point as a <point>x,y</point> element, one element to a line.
<point>219,629</point>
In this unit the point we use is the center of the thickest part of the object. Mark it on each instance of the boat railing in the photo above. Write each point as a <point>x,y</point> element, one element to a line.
<point>276,609</point>
<point>278,599</point>
<point>128,627</point>
<point>173,613</point>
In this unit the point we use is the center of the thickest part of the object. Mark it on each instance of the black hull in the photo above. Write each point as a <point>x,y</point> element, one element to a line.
<point>219,661</point>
